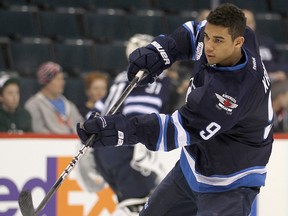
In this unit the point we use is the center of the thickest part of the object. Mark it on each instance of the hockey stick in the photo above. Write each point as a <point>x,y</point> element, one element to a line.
<point>25,198</point>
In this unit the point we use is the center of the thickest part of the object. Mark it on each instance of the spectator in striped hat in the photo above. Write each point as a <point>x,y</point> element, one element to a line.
<point>51,111</point>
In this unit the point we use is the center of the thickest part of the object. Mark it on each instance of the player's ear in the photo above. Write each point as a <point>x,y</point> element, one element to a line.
<point>239,41</point>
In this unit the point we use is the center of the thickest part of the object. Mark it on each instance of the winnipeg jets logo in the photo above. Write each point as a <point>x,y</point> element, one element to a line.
<point>226,102</point>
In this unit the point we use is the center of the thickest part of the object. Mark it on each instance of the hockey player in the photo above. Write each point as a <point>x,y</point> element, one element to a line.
<point>224,129</point>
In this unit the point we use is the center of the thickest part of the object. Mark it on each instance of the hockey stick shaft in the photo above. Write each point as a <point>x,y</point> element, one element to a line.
<point>82,151</point>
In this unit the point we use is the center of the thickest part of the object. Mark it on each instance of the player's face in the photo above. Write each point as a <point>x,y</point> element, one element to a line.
<point>10,97</point>
<point>219,46</point>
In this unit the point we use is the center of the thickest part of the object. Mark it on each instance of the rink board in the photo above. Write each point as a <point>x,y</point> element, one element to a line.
<point>36,162</point>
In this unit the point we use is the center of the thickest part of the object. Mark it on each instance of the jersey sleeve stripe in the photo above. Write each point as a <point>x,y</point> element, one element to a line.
<point>160,145</point>
<point>172,135</point>
<point>183,138</point>
<point>190,28</point>
<point>175,134</point>
<point>199,26</point>
<point>167,118</point>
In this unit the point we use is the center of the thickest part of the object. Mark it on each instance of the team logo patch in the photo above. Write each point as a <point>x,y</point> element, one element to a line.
<point>226,102</point>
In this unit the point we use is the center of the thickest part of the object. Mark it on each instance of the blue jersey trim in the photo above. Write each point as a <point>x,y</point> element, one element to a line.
<point>165,132</point>
<point>187,134</point>
<point>233,68</point>
<point>251,180</point>
<point>192,37</point>
<point>198,27</point>
<point>160,133</point>
<point>175,134</point>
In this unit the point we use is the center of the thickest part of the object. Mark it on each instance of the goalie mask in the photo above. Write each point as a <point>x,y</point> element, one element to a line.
<point>137,41</point>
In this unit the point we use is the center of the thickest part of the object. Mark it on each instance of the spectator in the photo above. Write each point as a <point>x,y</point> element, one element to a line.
<point>280,106</point>
<point>51,111</point>
<point>96,84</point>
<point>13,117</point>
<point>270,57</point>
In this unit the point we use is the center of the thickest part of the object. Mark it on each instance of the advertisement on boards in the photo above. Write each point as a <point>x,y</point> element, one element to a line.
<point>35,163</point>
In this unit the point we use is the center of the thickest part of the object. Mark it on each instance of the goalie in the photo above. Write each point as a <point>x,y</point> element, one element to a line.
<point>132,172</point>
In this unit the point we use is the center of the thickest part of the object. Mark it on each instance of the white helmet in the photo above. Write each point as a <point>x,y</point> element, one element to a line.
<point>137,41</point>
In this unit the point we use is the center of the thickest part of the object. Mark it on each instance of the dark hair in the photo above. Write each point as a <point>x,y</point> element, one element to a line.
<point>228,15</point>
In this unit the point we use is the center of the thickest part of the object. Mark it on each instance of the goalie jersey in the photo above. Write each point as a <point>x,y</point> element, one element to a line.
<point>225,128</point>
<point>138,166</point>
<point>153,98</point>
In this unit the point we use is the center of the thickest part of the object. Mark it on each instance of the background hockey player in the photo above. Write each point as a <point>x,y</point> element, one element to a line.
<point>132,172</point>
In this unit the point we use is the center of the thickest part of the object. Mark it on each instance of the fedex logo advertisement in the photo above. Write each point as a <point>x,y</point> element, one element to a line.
<point>37,172</point>
<point>36,164</point>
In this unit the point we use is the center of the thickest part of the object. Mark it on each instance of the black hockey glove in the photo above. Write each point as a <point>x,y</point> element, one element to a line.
<point>152,58</point>
<point>110,130</point>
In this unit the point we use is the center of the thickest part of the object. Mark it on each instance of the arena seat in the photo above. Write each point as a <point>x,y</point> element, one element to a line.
<point>28,54</point>
<point>124,4</point>
<point>75,56</point>
<point>4,56</point>
<point>74,90</point>
<point>13,2</point>
<point>17,24</point>
<point>29,86</point>
<point>2,59</point>
<point>256,6</point>
<point>54,4</point>
<point>111,57</point>
<point>268,24</point>
<point>279,6</point>
<point>183,5</point>
<point>106,25</point>
<point>173,21</point>
<point>146,22</point>
<point>60,25</point>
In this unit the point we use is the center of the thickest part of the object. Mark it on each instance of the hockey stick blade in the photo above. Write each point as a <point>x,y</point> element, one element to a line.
<point>26,203</point>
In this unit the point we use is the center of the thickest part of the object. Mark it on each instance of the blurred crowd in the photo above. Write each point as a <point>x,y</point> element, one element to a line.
<point>49,111</point>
